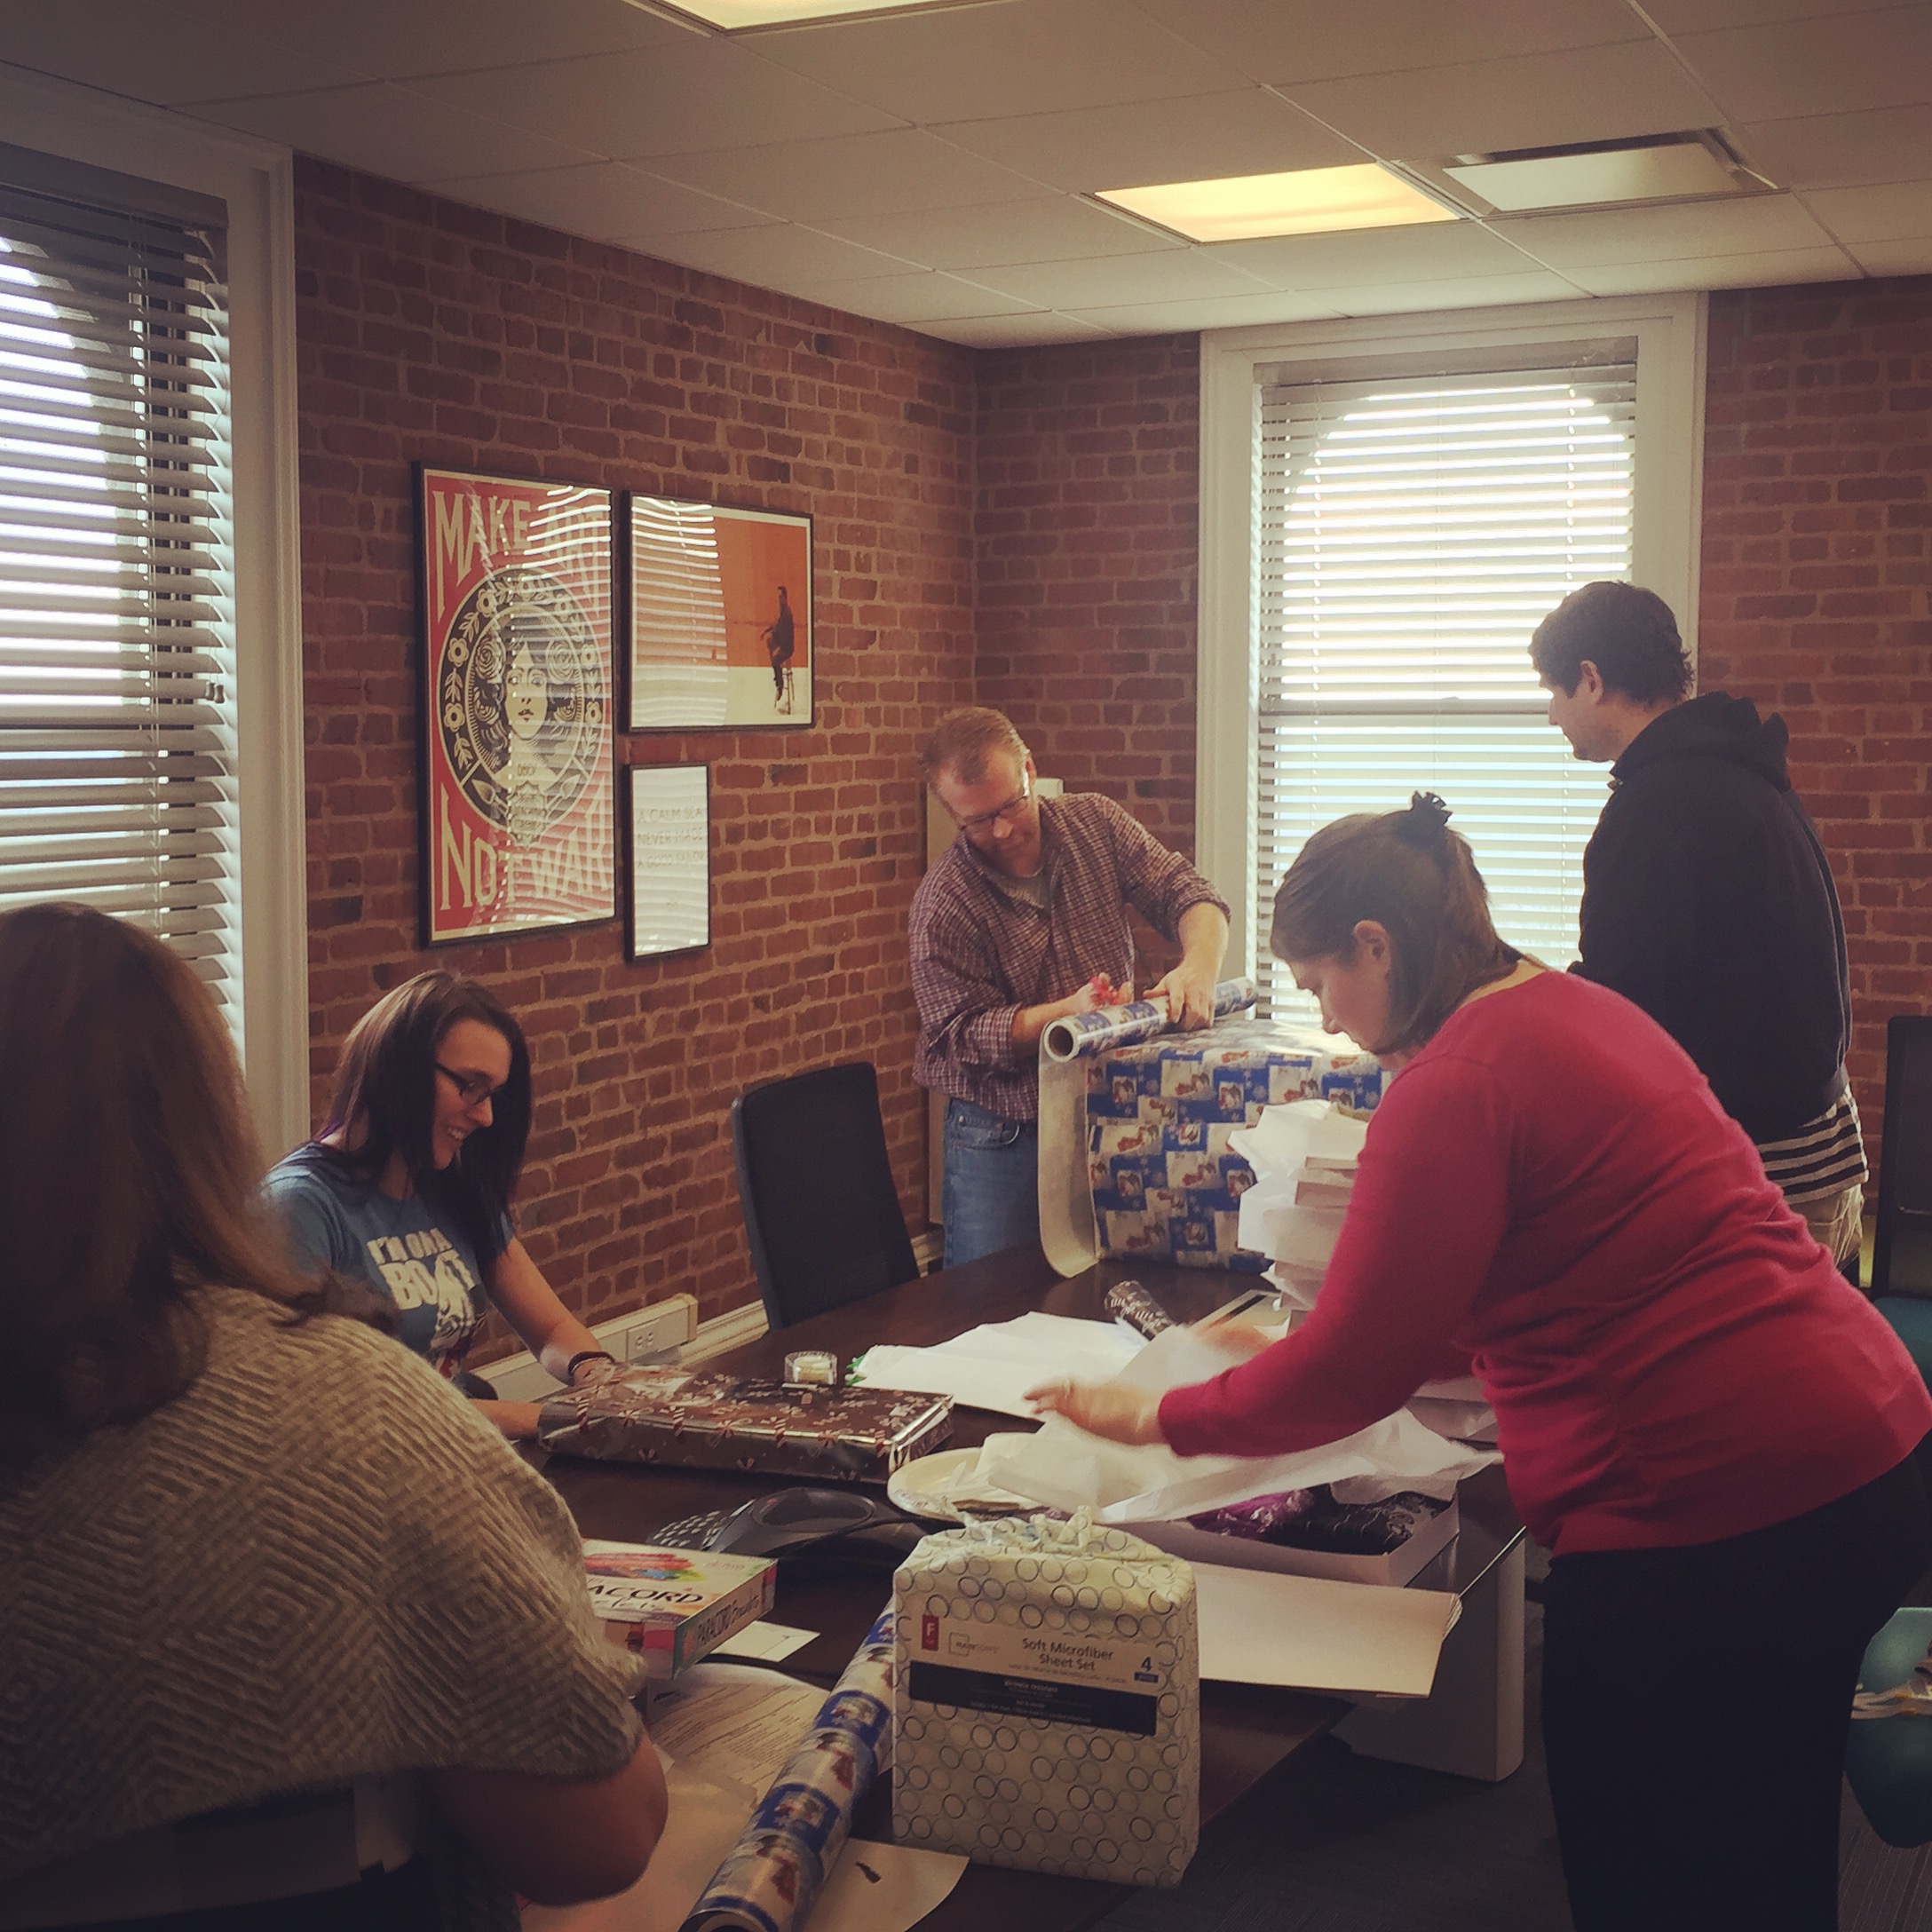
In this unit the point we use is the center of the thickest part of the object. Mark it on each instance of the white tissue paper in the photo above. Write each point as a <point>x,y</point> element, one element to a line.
<point>1046,1702</point>
<point>1068,1468</point>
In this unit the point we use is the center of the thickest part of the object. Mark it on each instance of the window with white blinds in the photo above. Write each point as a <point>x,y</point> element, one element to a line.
<point>1409,535</point>
<point>117,721</point>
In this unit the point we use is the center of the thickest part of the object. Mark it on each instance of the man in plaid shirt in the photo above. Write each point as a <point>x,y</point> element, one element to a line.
<point>1023,922</point>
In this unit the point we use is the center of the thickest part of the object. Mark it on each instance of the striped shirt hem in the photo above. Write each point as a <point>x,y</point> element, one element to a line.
<point>1823,1158</point>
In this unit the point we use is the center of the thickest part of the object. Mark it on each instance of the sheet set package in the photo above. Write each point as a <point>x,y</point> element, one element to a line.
<point>1166,1183</point>
<point>1046,1702</point>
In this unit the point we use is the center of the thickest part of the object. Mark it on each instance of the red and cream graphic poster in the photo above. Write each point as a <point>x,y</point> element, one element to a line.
<point>517,824</point>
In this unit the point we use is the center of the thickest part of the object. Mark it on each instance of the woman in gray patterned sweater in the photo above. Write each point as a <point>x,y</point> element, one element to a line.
<point>288,1637</point>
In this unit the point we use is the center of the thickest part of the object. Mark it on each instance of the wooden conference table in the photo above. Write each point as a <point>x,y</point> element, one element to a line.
<point>1247,1731</point>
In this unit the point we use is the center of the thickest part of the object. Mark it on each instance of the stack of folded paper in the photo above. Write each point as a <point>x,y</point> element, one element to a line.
<point>1303,1155</point>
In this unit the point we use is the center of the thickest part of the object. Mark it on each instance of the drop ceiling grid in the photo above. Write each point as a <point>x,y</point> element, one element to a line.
<point>928,157</point>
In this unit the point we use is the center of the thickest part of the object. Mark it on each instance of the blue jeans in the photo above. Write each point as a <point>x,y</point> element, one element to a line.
<point>991,1198</point>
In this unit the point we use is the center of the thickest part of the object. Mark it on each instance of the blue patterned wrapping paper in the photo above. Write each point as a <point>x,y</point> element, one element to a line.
<point>1081,1034</point>
<point>1158,1113</point>
<point>771,1877</point>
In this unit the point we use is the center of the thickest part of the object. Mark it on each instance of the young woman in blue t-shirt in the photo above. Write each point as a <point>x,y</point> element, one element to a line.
<point>407,1188</point>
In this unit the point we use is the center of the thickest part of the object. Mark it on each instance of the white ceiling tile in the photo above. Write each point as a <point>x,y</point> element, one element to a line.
<point>857,174</point>
<point>1679,231</point>
<point>910,298</point>
<point>397,39</point>
<point>601,199</point>
<point>1025,57</point>
<point>1901,211</point>
<point>1035,331</point>
<point>1702,16</point>
<point>699,95</point>
<point>1779,268</point>
<point>1208,311</point>
<point>1534,100</point>
<point>1475,292</point>
<point>1270,41</point>
<point>1834,65</point>
<point>1893,258</point>
<point>385,130</point>
<point>131,47</point>
<point>1841,150</point>
<point>1119,279</point>
<point>1203,138</point>
<point>1055,229</point>
<point>775,258</point>
<point>1431,252</point>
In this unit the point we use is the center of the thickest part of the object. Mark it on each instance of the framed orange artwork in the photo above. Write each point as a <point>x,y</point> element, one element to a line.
<point>720,624</point>
<point>518,831</point>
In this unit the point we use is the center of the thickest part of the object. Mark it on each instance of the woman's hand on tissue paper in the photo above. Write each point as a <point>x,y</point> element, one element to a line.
<point>1102,1408</point>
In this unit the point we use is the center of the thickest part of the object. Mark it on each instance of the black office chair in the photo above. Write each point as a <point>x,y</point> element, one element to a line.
<point>816,1185</point>
<point>1902,1241</point>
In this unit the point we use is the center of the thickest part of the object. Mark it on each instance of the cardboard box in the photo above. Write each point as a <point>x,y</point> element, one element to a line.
<point>1398,1566</point>
<point>672,1606</point>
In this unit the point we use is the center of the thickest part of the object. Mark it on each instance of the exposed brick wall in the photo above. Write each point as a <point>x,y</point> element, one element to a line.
<point>1817,502</point>
<point>428,331</point>
<point>1089,494</point>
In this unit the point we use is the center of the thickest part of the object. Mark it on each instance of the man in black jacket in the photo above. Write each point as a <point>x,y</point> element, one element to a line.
<point>1707,899</point>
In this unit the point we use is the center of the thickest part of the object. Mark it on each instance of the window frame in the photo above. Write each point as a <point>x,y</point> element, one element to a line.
<point>256,179</point>
<point>1669,331</point>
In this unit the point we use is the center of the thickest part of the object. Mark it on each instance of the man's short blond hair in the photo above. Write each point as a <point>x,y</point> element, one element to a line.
<point>959,748</point>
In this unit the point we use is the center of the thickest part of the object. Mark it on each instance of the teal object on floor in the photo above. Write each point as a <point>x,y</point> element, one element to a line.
<point>1911,1317</point>
<point>1888,1760</point>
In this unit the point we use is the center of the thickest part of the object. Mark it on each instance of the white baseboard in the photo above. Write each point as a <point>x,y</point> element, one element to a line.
<point>522,1378</point>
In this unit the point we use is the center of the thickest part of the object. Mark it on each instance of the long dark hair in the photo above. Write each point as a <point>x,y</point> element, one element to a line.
<point>386,1101</point>
<point>1414,877</point>
<point>129,1177</point>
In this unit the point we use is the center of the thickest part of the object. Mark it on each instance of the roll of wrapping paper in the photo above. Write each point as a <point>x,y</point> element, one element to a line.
<point>773,1876</point>
<point>1129,1302</point>
<point>1081,1034</point>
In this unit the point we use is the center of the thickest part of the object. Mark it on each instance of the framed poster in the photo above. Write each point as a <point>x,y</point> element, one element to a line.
<point>669,825</point>
<point>720,617</point>
<point>517,832</point>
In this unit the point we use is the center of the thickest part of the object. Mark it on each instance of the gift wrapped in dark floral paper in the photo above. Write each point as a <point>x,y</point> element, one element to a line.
<point>660,1414</point>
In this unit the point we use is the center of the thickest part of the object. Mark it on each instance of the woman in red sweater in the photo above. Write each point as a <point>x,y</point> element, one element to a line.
<point>1708,1426</point>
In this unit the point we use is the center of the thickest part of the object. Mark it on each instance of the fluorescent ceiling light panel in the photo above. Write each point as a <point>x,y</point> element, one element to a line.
<point>734,15</point>
<point>1670,171</point>
<point>1310,200</point>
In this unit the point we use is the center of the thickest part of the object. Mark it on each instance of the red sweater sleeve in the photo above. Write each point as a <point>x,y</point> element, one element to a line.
<point>1428,1210</point>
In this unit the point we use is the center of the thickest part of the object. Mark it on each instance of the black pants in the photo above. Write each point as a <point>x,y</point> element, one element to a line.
<point>1695,1707</point>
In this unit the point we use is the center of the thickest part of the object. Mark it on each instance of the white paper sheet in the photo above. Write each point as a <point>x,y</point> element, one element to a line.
<point>731,1724</point>
<point>1257,1626</point>
<point>767,1643</point>
<point>994,1366</point>
<point>877,1888</point>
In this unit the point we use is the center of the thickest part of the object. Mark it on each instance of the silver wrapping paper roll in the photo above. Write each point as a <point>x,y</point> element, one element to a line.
<point>1083,1033</point>
<point>773,1876</point>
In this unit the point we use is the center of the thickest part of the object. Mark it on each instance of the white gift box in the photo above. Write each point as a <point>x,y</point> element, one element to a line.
<point>1429,1539</point>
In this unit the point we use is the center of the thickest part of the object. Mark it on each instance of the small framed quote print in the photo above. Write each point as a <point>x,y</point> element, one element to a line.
<point>721,631</point>
<point>669,823</point>
<point>516,756</point>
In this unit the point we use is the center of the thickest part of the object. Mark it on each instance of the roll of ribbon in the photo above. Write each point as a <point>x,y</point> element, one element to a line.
<point>773,1876</point>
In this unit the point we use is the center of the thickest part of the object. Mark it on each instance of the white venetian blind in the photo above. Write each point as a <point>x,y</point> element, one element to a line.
<point>1412,534</point>
<point>117,743</point>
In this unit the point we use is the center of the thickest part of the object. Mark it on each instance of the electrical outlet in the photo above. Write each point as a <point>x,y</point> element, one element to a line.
<point>663,1324</point>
